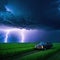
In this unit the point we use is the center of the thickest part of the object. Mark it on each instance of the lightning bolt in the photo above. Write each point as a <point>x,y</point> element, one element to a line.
<point>21,32</point>
<point>22,35</point>
<point>6,37</point>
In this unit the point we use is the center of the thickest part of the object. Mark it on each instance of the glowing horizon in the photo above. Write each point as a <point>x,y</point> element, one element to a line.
<point>24,35</point>
<point>21,31</point>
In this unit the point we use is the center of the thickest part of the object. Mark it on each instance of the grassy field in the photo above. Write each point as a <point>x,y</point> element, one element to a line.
<point>8,50</point>
<point>55,57</point>
<point>16,49</point>
<point>43,55</point>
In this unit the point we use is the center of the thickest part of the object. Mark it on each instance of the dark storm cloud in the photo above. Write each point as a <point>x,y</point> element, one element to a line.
<point>3,2</point>
<point>2,5</point>
<point>35,13</point>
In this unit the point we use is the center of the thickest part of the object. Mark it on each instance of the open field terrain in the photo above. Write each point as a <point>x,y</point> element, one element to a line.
<point>26,51</point>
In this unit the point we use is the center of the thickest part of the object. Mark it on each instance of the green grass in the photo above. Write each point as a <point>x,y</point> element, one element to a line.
<point>15,48</point>
<point>43,55</point>
<point>55,57</point>
<point>12,49</point>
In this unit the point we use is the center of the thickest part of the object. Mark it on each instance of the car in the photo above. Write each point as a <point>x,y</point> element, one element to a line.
<point>44,45</point>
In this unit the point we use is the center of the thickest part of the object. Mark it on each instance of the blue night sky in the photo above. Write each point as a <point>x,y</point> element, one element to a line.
<point>31,15</point>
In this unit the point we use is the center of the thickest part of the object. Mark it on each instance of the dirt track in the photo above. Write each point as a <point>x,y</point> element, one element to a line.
<point>19,55</point>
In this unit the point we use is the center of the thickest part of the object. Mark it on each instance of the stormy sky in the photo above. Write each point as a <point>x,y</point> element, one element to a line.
<point>44,13</point>
<point>33,14</point>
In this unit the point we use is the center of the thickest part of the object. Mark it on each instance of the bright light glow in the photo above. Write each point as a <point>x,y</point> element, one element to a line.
<point>6,37</point>
<point>21,32</point>
<point>7,9</point>
<point>22,35</point>
<point>42,47</point>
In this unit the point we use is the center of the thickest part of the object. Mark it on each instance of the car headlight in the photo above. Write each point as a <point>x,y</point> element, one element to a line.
<point>42,47</point>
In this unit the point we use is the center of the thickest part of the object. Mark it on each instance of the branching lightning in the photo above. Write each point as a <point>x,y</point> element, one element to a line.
<point>21,32</point>
<point>6,37</point>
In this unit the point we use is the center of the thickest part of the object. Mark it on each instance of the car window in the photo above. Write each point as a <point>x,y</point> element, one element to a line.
<point>42,43</point>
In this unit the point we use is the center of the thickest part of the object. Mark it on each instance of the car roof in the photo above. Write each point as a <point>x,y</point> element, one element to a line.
<point>42,43</point>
